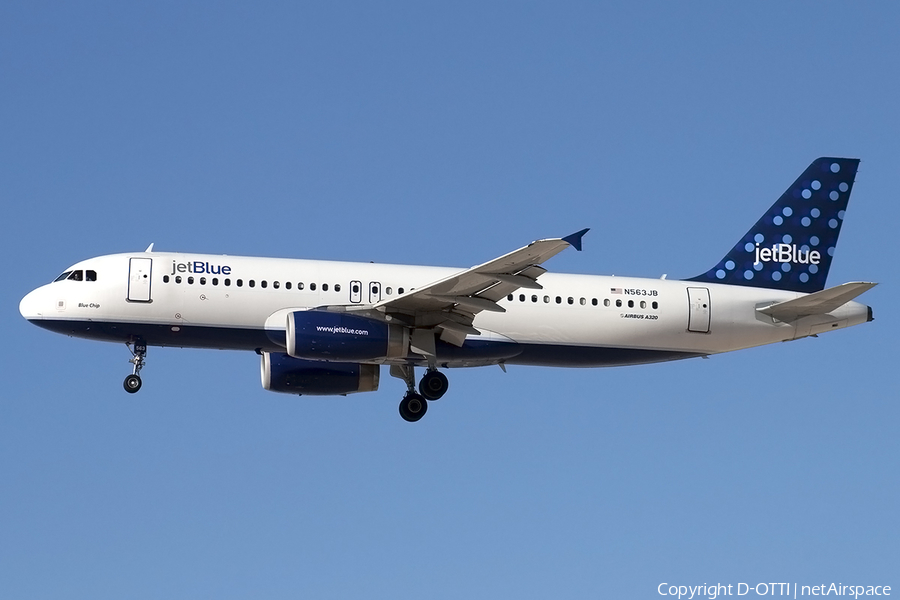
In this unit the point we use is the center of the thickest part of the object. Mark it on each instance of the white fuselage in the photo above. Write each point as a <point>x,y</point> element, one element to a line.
<point>232,302</point>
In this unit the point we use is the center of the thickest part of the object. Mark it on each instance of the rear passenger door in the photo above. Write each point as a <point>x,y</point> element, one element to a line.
<point>698,310</point>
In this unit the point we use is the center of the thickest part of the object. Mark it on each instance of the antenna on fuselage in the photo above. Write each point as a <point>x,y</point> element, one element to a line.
<point>149,248</point>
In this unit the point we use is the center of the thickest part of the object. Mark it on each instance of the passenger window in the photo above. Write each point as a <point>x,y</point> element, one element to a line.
<point>546,299</point>
<point>263,283</point>
<point>521,297</point>
<point>559,300</point>
<point>165,279</point>
<point>510,297</point>
<point>276,285</point>
<point>631,304</point>
<point>227,282</point>
<point>312,286</point>
<point>240,283</point>
<point>618,304</point>
<point>337,288</point>
<point>90,275</point>
<point>643,304</point>
<point>655,305</point>
<point>203,281</point>
<point>594,301</point>
<point>399,290</point>
<point>606,302</point>
<point>251,283</point>
<point>300,286</point>
<point>215,281</point>
<point>287,285</point>
<point>583,301</point>
<point>190,280</point>
<point>324,287</point>
<point>534,298</point>
<point>178,279</point>
<point>389,291</point>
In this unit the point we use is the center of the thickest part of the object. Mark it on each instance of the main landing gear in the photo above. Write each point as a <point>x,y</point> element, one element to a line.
<point>413,407</point>
<point>132,383</point>
<point>433,385</point>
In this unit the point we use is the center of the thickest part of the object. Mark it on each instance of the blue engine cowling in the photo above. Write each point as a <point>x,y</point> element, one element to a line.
<point>282,373</point>
<point>323,335</point>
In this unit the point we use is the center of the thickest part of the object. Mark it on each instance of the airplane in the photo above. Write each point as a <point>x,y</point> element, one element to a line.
<point>327,327</point>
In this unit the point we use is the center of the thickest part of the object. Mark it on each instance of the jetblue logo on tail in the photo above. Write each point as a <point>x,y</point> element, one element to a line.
<point>792,244</point>
<point>787,253</point>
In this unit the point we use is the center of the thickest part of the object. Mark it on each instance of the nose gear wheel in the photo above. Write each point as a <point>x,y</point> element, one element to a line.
<point>132,384</point>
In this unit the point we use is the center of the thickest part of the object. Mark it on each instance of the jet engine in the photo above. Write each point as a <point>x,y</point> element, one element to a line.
<point>282,373</point>
<point>343,337</point>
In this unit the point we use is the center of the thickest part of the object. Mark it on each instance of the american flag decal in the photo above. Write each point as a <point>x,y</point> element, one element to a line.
<point>615,290</point>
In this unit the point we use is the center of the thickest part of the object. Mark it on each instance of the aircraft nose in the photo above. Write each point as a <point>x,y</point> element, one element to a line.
<point>30,306</point>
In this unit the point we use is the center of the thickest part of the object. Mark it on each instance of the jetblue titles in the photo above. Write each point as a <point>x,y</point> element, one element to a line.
<point>198,266</point>
<point>787,253</point>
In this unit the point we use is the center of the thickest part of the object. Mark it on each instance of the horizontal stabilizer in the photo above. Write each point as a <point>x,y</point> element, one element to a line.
<point>817,303</point>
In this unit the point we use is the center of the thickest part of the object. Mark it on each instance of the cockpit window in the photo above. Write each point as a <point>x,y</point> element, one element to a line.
<point>79,275</point>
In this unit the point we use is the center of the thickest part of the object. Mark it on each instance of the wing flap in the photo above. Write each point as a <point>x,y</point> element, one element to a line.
<point>817,303</point>
<point>472,303</point>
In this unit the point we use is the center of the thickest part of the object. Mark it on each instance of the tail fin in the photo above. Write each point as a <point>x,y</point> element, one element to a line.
<point>791,246</point>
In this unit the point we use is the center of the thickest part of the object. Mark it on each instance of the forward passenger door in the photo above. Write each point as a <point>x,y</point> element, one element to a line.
<point>140,271</point>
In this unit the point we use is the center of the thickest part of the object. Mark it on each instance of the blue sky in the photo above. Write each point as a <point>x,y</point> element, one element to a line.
<point>445,134</point>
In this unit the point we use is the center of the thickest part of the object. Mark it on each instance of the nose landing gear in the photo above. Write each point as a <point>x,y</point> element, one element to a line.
<point>133,382</point>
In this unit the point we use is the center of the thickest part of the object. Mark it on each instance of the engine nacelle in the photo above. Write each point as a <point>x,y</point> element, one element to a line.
<point>323,335</point>
<point>282,373</point>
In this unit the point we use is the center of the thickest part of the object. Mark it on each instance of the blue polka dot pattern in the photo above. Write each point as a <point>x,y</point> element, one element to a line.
<point>786,249</point>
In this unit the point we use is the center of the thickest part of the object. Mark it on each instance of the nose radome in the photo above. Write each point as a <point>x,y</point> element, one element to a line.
<point>30,306</point>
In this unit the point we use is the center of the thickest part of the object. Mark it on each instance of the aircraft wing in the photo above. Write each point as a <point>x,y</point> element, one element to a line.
<point>448,306</point>
<point>817,303</point>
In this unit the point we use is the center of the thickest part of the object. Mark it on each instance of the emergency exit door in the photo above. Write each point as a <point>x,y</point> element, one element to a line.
<point>374,292</point>
<point>698,310</point>
<point>355,292</point>
<point>139,277</point>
